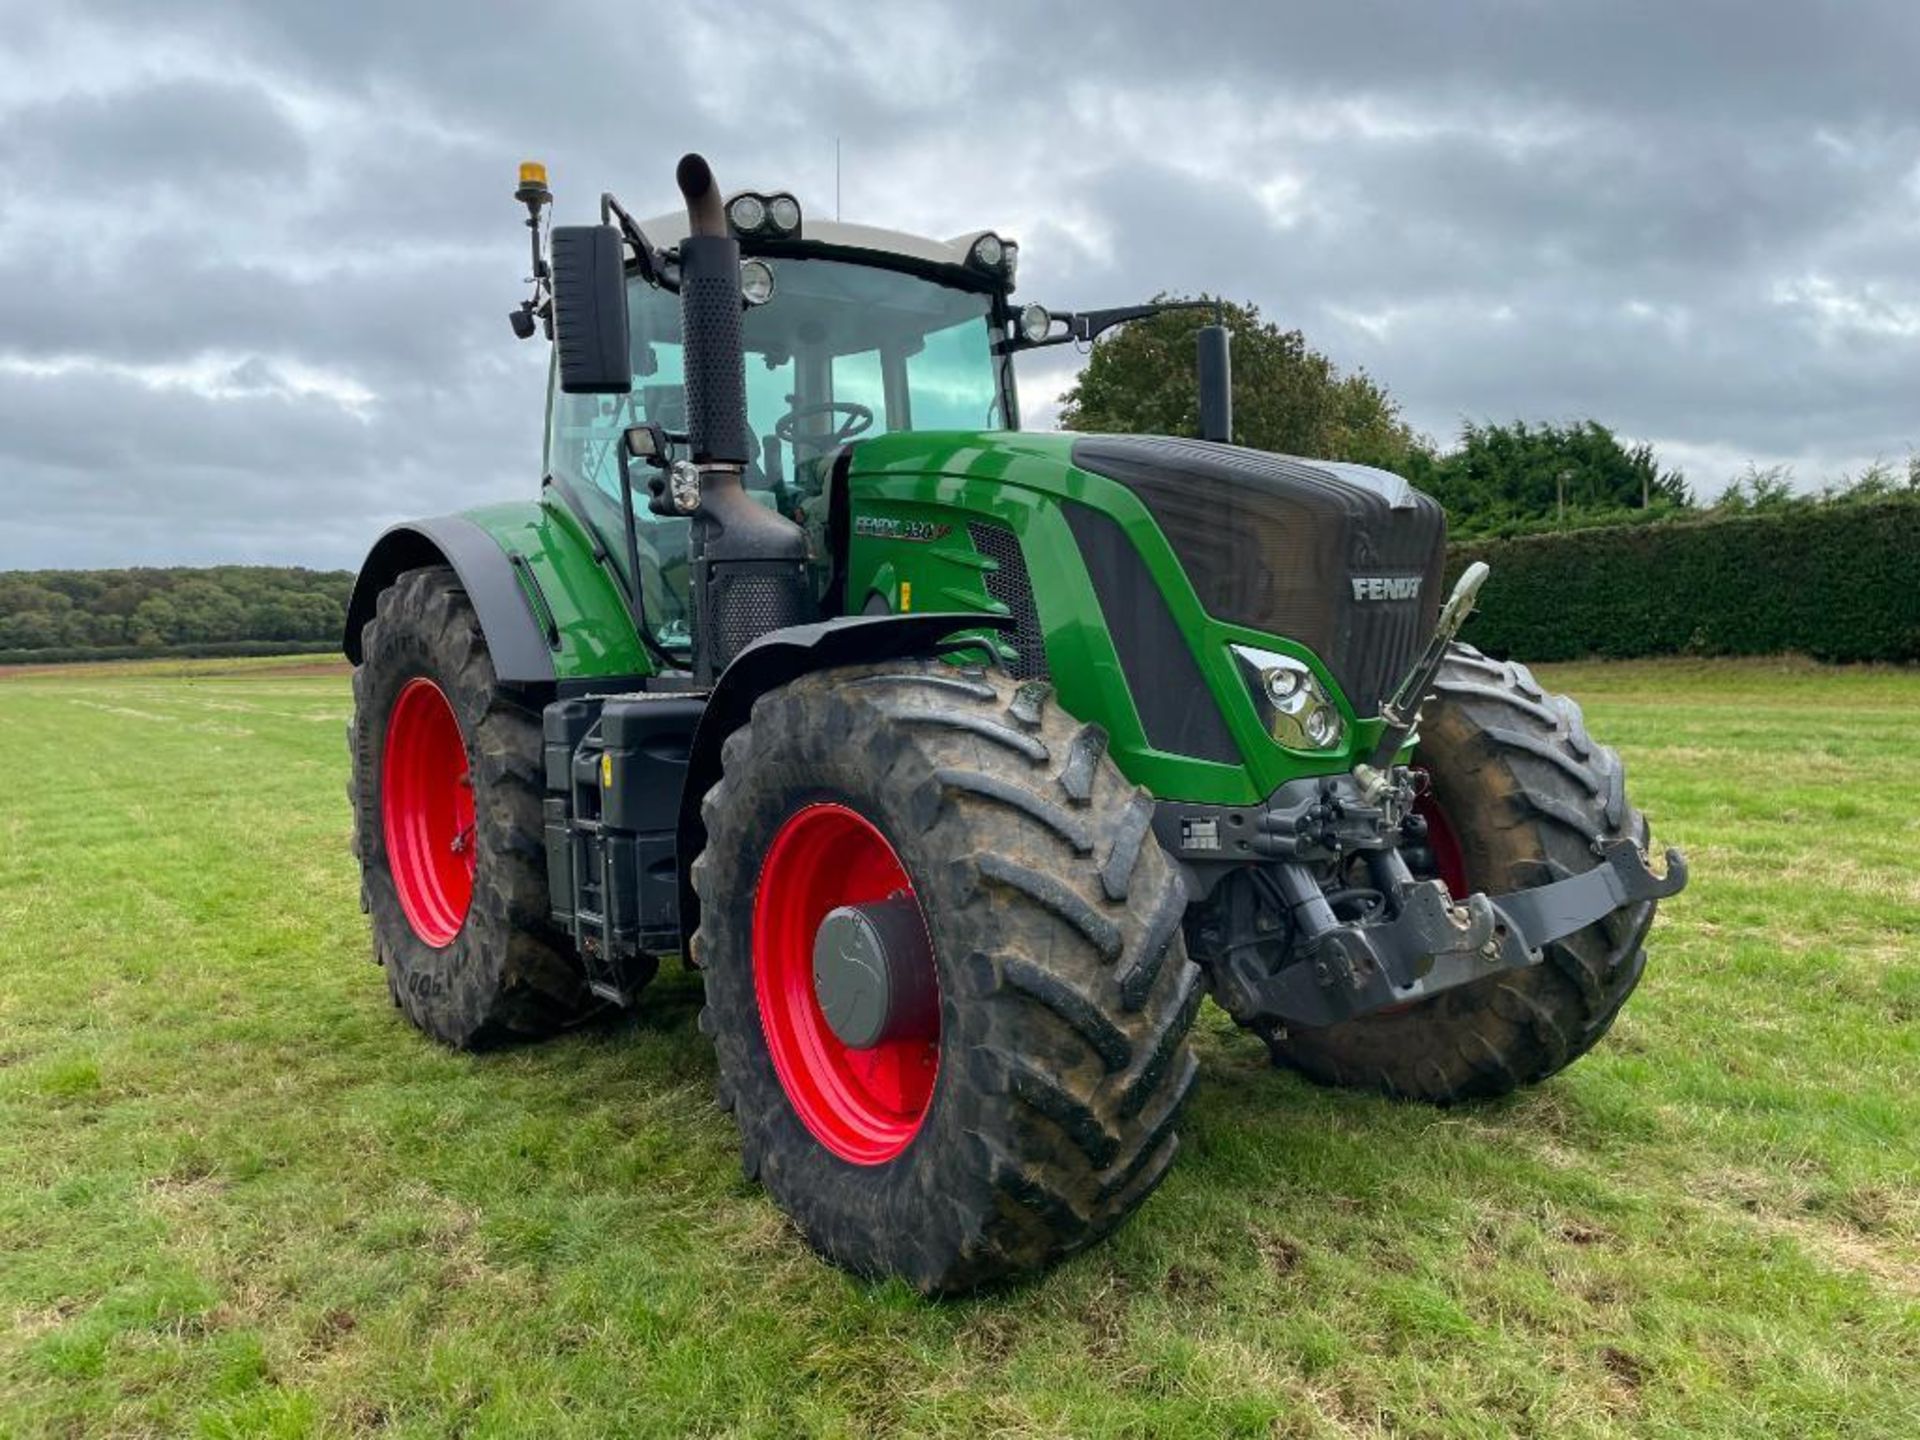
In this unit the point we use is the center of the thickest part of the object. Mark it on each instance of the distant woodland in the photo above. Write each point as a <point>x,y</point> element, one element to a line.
<point>223,609</point>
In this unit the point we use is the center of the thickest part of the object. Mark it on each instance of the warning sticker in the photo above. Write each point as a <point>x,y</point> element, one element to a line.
<point>1199,834</point>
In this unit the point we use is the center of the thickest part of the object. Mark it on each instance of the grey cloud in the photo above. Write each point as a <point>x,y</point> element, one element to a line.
<point>257,257</point>
<point>194,135</point>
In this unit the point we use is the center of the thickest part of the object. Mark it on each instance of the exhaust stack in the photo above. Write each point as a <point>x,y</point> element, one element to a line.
<point>710,319</point>
<point>748,563</point>
<point>1215,369</point>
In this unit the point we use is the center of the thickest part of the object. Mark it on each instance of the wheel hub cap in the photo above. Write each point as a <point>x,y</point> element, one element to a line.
<point>873,973</point>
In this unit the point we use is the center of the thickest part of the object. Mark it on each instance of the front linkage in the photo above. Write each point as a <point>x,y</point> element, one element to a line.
<point>1425,940</point>
<point>1417,939</point>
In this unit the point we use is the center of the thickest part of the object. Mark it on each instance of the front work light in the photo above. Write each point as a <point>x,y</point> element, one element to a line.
<point>746,213</point>
<point>756,282</point>
<point>783,211</point>
<point>1292,703</point>
<point>989,253</point>
<point>1035,321</point>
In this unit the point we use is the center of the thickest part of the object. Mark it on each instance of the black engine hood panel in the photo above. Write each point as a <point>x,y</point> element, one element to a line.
<point>1293,547</point>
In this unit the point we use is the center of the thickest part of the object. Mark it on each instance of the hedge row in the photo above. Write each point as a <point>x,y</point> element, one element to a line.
<point>209,650</point>
<point>1837,582</point>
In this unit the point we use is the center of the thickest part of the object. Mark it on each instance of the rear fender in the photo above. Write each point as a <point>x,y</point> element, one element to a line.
<point>784,655</point>
<point>522,646</point>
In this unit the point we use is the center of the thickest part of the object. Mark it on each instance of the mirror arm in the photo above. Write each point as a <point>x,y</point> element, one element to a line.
<point>1085,326</point>
<point>653,266</point>
<point>536,311</point>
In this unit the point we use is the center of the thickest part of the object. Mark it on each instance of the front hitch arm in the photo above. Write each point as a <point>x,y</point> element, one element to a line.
<point>1622,878</point>
<point>1433,944</point>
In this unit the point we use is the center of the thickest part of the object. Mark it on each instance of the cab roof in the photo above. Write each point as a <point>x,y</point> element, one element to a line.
<point>667,231</point>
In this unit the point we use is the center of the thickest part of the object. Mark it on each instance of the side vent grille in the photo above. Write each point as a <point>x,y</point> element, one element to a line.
<point>1010,585</point>
<point>1176,708</point>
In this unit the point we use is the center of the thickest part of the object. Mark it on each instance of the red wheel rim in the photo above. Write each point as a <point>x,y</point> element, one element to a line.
<point>1443,841</point>
<point>863,1105</point>
<point>426,803</point>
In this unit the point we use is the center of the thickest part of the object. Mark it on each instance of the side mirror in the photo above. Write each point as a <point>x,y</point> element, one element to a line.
<point>649,442</point>
<point>590,310</point>
<point>1216,384</point>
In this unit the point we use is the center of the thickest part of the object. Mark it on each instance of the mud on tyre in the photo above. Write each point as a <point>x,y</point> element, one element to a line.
<point>446,791</point>
<point>1065,992</point>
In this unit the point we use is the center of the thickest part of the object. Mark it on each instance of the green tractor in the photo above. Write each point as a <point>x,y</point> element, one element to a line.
<point>960,762</point>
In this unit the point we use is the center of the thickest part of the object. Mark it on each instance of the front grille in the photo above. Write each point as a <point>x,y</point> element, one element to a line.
<point>1275,544</point>
<point>1009,583</point>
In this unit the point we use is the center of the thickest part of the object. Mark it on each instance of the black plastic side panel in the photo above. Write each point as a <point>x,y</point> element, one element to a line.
<point>770,662</point>
<point>514,639</point>
<point>615,768</point>
<point>1175,706</point>
<point>648,741</point>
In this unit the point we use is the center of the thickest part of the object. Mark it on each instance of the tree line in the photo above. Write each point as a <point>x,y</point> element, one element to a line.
<point>73,611</point>
<point>1495,479</point>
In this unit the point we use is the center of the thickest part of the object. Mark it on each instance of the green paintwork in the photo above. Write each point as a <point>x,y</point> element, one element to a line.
<point>935,482</point>
<point>944,479</point>
<point>597,637</point>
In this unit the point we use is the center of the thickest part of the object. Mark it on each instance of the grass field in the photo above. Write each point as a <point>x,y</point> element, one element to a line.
<point>239,1196</point>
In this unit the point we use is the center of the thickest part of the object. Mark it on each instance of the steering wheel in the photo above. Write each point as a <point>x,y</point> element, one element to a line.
<point>859,420</point>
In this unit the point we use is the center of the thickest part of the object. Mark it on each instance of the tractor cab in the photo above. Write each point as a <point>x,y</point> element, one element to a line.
<point>849,331</point>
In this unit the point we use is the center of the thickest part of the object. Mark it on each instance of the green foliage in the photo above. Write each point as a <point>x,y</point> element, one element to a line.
<point>1834,580</point>
<point>1287,397</point>
<point>1771,489</point>
<point>82,614</point>
<point>1508,478</point>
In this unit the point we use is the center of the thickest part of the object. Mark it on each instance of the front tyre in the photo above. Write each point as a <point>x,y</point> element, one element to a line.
<point>446,792</point>
<point>1521,796</point>
<point>1008,1091</point>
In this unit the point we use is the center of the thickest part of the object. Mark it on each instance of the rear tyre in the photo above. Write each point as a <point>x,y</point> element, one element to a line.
<point>1034,1107</point>
<point>1521,796</point>
<point>446,792</point>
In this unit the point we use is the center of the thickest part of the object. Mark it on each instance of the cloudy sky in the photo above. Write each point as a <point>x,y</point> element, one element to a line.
<point>256,258</point>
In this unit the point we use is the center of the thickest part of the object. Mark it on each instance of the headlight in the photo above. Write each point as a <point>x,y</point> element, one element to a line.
<point>989,252</point>
<point>746,213</point>
<point>756,281</point>
<point>784,212</point>
<point>1282,684</point>
<point>1035,321</point>
<point>1009,260</point>
<point>1293,704</point>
